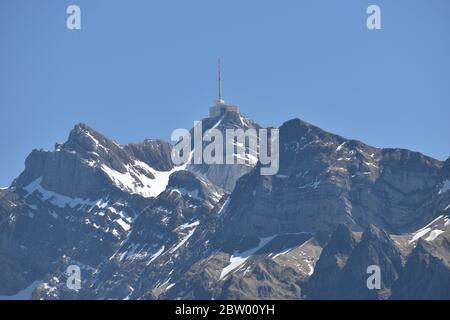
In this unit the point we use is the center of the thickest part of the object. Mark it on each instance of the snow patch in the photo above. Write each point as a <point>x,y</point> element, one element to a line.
<point>131,292</point>
<point>90,136</point>
<point>90,163</point>
<point>188,225</point>
<point>24,294</point>
<point>186,238</point>
<point>445,187</point>
<point>430,228</point>
<point>156,255</point>
<point>216,196</point>
<point>282,252</point>
<point>125,226</point>
<point>137,178</point>
<point>288,249</point>
<point>238,258</point>
<point>340,146</point>
<point>311,268</point>
<point>54,198</point>
<point>223,206</point>
<point>170,286</point>
<point>189,193</point>
<point>370,164</point>
<point>434,234</point>
<point>420,234</point>
<point>313,185</point>
<point>130,253</point>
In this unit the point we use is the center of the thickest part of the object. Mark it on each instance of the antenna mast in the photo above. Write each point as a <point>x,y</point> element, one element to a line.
<point>219,81</point>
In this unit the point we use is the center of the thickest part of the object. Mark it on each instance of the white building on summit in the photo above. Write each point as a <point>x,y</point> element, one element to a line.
<point>220,106</point>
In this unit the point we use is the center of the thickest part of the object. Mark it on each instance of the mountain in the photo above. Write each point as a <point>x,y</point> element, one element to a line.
<point>140,227</point>
<point>77,203</point>
<point>225,175</point>
<point>325,180</point>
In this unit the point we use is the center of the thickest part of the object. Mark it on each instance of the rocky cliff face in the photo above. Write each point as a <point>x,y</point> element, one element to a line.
<point>325,282</point>
<point>89,164</point>
<point>427,271</point>
<point>141,228</point>
<point>225,175</point>
<point>325,180</point>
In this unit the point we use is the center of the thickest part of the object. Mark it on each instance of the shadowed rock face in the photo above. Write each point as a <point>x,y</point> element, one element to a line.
<point>427,272</point>
<point>326,279</point>
<point>141,228</point>
<point>342,270</point>
<point>156,153</point>
<point>376,248</point>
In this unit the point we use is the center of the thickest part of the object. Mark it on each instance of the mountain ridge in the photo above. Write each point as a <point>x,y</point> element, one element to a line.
<point>141,227</point>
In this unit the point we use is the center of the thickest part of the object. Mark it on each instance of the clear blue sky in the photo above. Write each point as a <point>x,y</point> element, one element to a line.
<point>139,69</point>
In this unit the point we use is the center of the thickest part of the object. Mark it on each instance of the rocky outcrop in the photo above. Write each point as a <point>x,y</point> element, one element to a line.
<point>156,153</point>
<point>377,249</point>
<point>326,279</point>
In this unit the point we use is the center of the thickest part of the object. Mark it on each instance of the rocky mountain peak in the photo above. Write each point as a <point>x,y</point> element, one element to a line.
<point>92,146</point>
<point>373,233</point>
<point>84,138</point>
<point>342,240</point>
<point>426,274</point>
<point>332,261</point>
<point>95,164</point>
<point>229,119</point>
<point>223,175</point>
